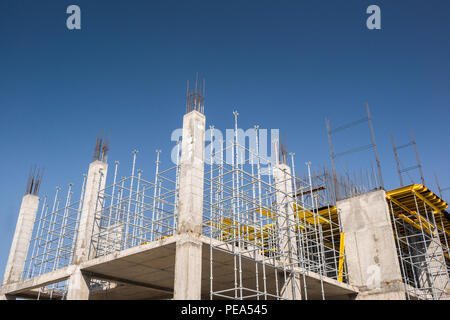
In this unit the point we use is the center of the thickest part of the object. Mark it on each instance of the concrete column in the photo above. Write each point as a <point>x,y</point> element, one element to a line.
<point>286,224</point>
<point>370,250</point>
<point>95,182</point>
<point>78,286</point>
<point>188,257</point>
<point>21,241</point>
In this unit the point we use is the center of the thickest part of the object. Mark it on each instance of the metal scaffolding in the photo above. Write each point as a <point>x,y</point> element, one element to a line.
<point>274,235</point>
<point>421,226</point>
<point>54,236</point>
<point>133,211</point>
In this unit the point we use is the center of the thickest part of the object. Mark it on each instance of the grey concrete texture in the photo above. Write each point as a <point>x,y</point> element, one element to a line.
<point>370,250</point>
<point>188,257</point>
<point>188,268</point>
<point>192,173</point>
<point>95,182</point>
<point>21,240</point>
<point>283,182</point>
<point>147,272</point>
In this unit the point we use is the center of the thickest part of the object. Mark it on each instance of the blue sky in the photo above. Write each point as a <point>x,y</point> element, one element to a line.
<point>281,64</point>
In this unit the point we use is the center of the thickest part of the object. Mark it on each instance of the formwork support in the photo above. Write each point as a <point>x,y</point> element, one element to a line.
<point>188,271</point>
<point>435,275</point>
<point>21,240</point>
<point>370,249</point>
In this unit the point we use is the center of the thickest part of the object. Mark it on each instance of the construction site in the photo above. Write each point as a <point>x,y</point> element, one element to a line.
<point>241,227</point>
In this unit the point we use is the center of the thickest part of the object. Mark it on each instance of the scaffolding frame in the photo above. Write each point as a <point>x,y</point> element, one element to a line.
<point>421,233</point>
<point>244,216</point>
<point>134,211</point>
<point>53,239</point>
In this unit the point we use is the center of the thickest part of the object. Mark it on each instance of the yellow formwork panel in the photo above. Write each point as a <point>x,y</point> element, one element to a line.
<point>301,213</point>
<point>413,198</point>
<point>406,195</point>
<point>405,198</point>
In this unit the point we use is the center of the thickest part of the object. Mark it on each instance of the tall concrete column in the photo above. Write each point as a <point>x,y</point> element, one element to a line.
<point>370,250</point>
<point>95,182</point>
<point>286,223</point>
<point>188,257</point>
<point>21,241</point>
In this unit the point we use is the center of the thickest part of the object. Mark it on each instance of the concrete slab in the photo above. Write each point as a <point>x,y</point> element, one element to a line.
<point>147,272</point>
<point>37,282</point>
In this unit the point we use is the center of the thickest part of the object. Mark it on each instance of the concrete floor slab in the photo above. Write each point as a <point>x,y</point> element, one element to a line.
<point>151,267</point>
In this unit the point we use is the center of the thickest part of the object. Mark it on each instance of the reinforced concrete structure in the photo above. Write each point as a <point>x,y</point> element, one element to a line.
<point>245,227</point>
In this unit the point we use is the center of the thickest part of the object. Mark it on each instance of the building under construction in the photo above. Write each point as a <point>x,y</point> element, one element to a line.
<point>211,228</point>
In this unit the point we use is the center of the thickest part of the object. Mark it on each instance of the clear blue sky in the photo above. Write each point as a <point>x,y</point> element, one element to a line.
<point>282,64</point>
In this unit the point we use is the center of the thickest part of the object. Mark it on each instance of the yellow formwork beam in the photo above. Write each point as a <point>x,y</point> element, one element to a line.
<point>428,202</point>
<point>430,198</point>
<point>301,213</point>
<point>310,217</point>
<point>414,224</point>
<point>228,228</point>
<point>429,226</point>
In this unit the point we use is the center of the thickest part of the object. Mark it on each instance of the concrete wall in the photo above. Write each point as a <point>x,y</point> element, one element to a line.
<point>188,271</point>
<point>371,254</point>
<point>21,240</point>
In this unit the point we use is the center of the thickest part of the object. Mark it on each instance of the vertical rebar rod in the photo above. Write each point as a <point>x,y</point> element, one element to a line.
<point>372,134</point>
<point>419,165</point>
<point>333,164</point>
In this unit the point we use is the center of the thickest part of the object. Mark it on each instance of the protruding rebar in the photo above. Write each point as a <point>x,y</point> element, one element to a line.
<point>101,148</point>
<point>195,99</point>
<point>34,180</point>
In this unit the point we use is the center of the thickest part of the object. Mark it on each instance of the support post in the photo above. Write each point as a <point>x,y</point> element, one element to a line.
<point>21,241</point>
<point>78,286</point>
<point>188,257</point>
<point>286,222</point>
<point>371,254</point>
<point>94,184</point>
